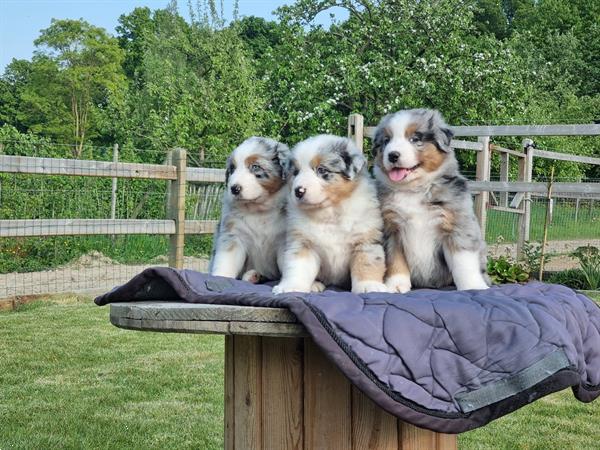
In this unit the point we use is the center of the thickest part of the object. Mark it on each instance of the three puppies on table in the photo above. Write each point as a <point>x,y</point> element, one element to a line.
<point>251,234</point>
<point>334,224</point>
<point>432,237</point>
<point>313,216</point>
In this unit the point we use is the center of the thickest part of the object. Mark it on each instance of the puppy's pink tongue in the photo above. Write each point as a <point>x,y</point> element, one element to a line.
<point>398,174</point>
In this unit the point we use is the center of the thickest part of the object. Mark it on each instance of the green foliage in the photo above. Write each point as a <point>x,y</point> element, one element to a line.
<point>504,270</point>
<point>573,278</point>
<point>206,85</point>
<point>587,276</point>
<point>532,257</point>
<point>64,90</point>
<point>589,260</point>
<point>374,63</point>
<point>194,85</point>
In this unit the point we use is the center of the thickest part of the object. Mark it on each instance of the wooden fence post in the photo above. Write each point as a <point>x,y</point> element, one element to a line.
<point>504,171</point>
<point>525,174</point>
<point>356,124</point>
<point>177,209</point>
<point>168,162</point>
<point>113,192</point>
<point>482,173</point>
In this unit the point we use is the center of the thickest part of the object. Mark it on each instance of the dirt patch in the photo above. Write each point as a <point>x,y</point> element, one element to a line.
<point>559,251</point>
<point>92,259</point>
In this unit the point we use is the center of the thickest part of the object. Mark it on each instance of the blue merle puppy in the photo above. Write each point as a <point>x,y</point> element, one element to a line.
<point>432,237</point>
<point>251,234</point>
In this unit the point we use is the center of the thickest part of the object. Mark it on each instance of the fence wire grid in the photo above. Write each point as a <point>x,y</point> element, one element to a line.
<point>63,233</point>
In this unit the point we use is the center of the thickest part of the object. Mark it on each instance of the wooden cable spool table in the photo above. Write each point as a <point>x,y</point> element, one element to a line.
<point>281,392</point>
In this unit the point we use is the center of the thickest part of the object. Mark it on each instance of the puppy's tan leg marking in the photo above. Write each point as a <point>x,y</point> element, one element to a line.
<point>397,277</point>
<point>367,268</point>
<point>448,220</point>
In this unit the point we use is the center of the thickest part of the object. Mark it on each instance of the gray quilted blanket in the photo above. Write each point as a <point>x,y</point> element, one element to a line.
<point>446,360</point>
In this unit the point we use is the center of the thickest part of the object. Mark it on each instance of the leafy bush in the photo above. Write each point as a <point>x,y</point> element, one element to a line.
<point>504,270</point>
<point>589,260</point>
<point>573,278</point>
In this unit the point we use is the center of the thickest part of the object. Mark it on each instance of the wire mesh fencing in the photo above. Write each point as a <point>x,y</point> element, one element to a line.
<point>72,225</point>
<point>88,219</point>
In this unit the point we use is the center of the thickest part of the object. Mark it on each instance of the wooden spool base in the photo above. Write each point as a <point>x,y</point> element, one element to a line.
<point>283,393</point>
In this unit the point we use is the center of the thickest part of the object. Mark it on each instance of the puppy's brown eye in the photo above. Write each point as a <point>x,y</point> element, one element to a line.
<point>322,171</point>
<point>386,140</point>
<point>414,139</point>
<point>296,172</point>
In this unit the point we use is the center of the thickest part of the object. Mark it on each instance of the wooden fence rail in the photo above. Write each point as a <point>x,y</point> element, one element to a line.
<point>516,130</point>
<point>80,227</point>
<point>86,168</point>
<point>77,167</point>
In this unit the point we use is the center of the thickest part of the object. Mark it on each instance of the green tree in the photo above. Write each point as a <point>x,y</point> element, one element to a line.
<point>89,71</point>
<point>196,88</point>
<point>37,97</point>
<point>390,55</point>
<point>134,34</point>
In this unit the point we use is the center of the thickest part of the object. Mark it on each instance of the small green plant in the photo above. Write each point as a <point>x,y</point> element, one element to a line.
<point>532,256</point>
<point>589,260</point>
<point>505,270</point>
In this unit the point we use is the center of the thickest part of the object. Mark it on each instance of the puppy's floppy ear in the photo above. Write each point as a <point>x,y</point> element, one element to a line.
<point>282,158</point>
<point>358,161</point>
<point>380,136</point>
<point>353,159</point>
<point>228,169</point>
<point>442,134</point>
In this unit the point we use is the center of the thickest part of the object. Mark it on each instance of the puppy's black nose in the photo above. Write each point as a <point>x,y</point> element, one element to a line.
<point>393,156</point>
<point>299,191</point>
<point>236,189</point>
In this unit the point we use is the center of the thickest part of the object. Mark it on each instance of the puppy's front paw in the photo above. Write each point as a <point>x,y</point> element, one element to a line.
<point>398,283</point>
<point>288,287</point>
<point>251,276</point>
<point>472,284</point>
<point>317,286</point>
<point>362,287</point>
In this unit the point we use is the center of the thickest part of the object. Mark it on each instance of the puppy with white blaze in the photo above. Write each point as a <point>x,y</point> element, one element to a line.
<point>334,224</point>
<point>251,234</point>
<point>432,237</point>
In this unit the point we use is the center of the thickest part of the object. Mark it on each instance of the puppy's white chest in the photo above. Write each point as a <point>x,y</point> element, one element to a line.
<point>262,235</point>
<point>418,224</point>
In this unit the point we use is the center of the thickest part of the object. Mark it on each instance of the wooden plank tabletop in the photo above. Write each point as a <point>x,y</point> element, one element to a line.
<point>179,317</point>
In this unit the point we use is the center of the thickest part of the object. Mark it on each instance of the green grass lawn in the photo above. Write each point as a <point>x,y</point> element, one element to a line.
<point>69,379</point>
